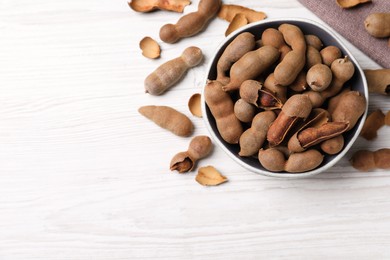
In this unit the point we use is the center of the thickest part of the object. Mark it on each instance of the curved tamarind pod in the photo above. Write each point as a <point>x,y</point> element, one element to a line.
<point>251,65</point>
<point>253,138</point>
<point>192,23</point>
<point>294,61</point>
<point>242,44</point>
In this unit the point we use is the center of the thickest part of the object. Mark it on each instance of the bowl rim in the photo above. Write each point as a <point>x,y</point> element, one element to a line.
<point>285,175</point>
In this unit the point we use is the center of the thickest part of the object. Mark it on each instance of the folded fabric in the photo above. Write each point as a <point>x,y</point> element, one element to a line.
<point>350,24</point>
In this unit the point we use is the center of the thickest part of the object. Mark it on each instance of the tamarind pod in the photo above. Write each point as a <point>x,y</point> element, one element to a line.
<point>168,118</point>
<point>192,23</point>
<point>169,73</point>
<point>222,109</point>
<point>199,147</point>
<point>243,43</point>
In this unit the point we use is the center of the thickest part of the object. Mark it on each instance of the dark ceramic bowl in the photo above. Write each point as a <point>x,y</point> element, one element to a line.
<point>358,83</point>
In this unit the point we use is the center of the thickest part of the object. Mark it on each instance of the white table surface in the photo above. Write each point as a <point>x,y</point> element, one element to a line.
<point>84,176</point>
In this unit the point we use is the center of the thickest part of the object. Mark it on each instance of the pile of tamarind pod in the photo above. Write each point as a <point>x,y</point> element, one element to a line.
<point>286,101</point>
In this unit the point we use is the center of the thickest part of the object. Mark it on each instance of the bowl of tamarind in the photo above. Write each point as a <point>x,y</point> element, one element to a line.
<point>284,98</point>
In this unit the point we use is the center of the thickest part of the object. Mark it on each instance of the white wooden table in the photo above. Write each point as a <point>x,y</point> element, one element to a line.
<point>84,176</point>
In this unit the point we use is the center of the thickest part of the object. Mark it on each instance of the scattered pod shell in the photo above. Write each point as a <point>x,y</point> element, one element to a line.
<point>194,105</point>
<point>209,176</point>
<point>238,21</point>
<point>351,3</point>
<point>228,12</point>
<point>150,48</point>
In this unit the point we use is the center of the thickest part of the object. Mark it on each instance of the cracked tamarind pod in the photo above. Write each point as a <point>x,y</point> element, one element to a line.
<point>296,108</point>
<point>199,147</point>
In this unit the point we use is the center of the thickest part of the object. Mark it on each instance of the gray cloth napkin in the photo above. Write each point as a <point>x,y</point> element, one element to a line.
<point>350,24</point>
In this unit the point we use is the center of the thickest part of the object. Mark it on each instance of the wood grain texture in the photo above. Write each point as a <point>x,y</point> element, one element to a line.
<point>84,176</point>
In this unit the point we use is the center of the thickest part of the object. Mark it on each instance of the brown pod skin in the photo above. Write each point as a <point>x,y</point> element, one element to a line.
<point>288,69</point>
<point>249,91</point>
<point>192,23</point>
<point>169,73</point>
<point>334,101</point>
<point>330,54</point>
<point>274,38</point>
<point>350,108</point>
<point>314,41</point>
<point>272,159</point>
<point>296,107</point>
<point>253,138</point>
<point>313,57</point>
<point>387,118</point>
<point>333,145</point>
<point>243,43</point>
<point>222,108</point>
<point>303,162</point>
<point>199,147</point>
<point>319,77</point>
<point>299,83</point>
<point>244,111</point>
<point>251,65</point>
<point>279,91</point>
<point>168,118</point>
<point>378,81</point>
<point>372,124</point>
<point>342,70</point>
<point>294,61</point>
<point>364,160</point>
<point>378,24</point>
